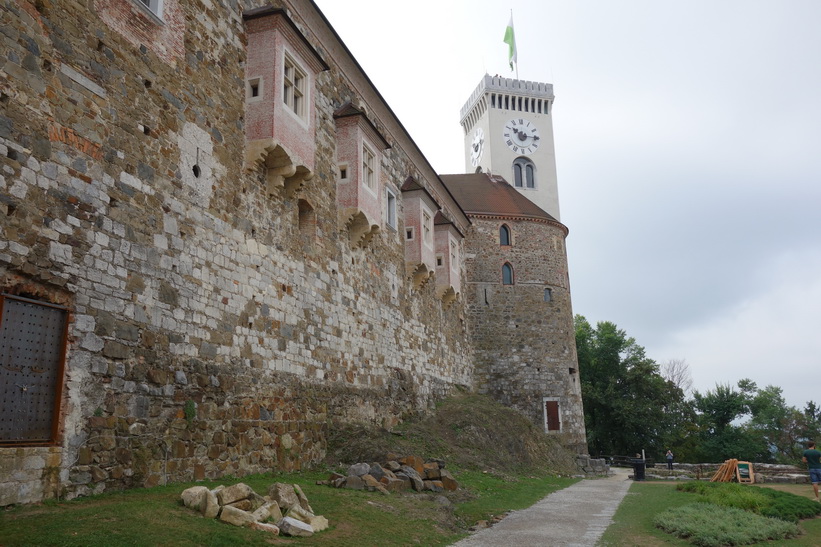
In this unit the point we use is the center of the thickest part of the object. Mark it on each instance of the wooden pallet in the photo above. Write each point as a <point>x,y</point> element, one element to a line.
<point>734,470</point>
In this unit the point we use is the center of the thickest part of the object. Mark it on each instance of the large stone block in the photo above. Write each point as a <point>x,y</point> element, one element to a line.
<point>235,516</point>
<point>234,493</point>
<point>283,494</point>
<point>293,527</point>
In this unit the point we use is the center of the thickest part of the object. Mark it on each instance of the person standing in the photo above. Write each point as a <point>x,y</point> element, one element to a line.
<point>812,458</point>
<point>669,457</point>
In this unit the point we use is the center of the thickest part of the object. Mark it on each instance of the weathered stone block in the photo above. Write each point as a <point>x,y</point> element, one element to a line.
<point>434,486</point>
<point>268,511</point>
<point>194,497</point>
<point>448,482</point>
<point>303,499</point>
<point>415,462</point>
<point>293,527</point>
<point>244,505</point>
<point>283,494</point>
<point>318,523</point>
<point>354,483</point>
<point>211,508</point>
<point>231,494</point>
<point>359,469</point>
<point>235,516</point>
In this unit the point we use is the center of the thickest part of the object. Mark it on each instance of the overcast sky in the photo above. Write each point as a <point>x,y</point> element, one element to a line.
<point>688,144</point>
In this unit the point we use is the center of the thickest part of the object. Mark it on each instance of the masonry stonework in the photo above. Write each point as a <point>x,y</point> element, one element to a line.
<point>523,333</point>
<point>218,323</point>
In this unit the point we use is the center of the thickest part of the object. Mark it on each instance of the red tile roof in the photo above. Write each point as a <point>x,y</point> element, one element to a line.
<point>483,194</point>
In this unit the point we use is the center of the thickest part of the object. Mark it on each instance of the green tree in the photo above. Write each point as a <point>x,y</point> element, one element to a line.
<point>628,405</point>
<point>776,424</point>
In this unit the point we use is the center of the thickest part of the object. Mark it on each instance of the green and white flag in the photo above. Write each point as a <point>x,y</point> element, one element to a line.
<point>510,40</point>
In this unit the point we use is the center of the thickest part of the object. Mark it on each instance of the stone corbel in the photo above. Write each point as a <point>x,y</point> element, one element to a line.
<point>448,295</point>
<point>420,275</point>
<point>360,228</point>
<point>282,169</point>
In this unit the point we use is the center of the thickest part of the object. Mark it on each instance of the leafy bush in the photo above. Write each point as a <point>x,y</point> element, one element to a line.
<point>762,501</point>
<point>708,525</point>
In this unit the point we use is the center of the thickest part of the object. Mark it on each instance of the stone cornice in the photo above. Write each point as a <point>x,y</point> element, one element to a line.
<point>488,216</point>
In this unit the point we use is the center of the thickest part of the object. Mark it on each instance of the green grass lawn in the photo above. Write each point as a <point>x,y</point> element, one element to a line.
<point>633,522</point>
<point>154,516</point>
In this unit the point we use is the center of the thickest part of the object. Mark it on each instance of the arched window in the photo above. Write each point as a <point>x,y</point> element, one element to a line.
<point>524,173</point>
<point>504,235</point>
<point>507,274</point>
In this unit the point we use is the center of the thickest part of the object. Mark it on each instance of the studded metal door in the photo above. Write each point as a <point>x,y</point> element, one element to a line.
<point>32,350</point>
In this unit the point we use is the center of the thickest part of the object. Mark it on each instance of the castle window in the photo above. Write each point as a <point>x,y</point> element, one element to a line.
<point>548,295</point>
<point>294,87</point>
<point>427,232</point>
<point>368,168</point>
<point>32,352</point>
<point>504,235</point>
<point>552,420</point>
<point>253,90</point>
<point>390,208</point>
<point>453,256</point>
<point>524,173</point>
<point>440,261</point>
<point>409,233</point>
<point>343,172</point>
<point>154,6</point>
<point>507,274</point>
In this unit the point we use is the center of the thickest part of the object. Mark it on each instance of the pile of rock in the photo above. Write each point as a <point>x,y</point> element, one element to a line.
<point>394,475</point>
<point>285,509</point>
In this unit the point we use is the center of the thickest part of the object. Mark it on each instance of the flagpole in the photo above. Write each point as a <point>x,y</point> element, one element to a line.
<point>517,50</point>
<point>510,40</point>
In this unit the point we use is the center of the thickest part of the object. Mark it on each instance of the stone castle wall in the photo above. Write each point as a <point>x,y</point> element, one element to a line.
<point>525,346</point>
<point>211,332</point>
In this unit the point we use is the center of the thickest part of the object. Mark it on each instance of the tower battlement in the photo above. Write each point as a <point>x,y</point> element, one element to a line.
<point>498,84</point>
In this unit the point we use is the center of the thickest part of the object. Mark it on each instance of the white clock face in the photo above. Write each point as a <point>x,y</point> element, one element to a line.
<point>477,146</point>
<point>521,136</point>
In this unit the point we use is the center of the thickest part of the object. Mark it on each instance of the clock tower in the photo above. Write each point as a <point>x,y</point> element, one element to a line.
<point>508,130</point>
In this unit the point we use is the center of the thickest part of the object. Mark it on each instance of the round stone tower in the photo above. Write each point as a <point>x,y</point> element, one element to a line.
<point>518,305</point>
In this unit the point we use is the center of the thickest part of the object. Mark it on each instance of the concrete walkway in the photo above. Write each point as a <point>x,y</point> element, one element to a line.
<point>577,515</point>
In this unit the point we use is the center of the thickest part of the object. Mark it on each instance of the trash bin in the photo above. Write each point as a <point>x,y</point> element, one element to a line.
<point>638,469</point>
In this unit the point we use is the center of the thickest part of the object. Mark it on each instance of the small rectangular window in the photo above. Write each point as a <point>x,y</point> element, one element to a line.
<point>343,172</point>
<point>253,89</point>
<point>390,208</point>
<point>32,352</point>
<point>440,261</point>
<point>453,256</point>
<point>409,233</point>
<point>548,295</point>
